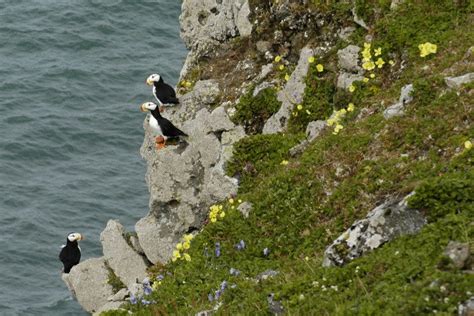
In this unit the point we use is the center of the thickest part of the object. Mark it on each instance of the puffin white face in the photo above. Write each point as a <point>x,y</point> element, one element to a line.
<point>148,106</point>
<point>74,236</point>
<point>152,78</point>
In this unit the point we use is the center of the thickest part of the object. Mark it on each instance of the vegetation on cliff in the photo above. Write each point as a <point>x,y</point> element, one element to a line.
<point>301,204</point>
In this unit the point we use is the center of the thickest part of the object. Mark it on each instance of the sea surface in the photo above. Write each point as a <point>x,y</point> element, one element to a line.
<point>72,78</point>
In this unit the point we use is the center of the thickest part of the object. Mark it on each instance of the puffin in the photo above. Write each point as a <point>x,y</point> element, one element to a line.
<point>70,254</point>
<point>161,126</point>
<point>163,92</point>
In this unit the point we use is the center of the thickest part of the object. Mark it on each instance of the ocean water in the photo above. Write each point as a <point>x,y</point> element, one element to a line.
<point>72,77</point>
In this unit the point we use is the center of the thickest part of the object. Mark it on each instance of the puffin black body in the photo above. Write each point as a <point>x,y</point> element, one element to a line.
<point>70,254</point>
<point>161,126</point>
<point>162,91</point>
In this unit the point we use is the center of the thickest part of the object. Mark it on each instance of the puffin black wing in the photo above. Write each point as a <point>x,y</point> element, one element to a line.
<point>70,255</point>
<point>169,129</point>
<point>165,93</point>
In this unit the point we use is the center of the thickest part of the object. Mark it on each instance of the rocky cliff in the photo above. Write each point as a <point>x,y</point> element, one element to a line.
<point>321,135</point>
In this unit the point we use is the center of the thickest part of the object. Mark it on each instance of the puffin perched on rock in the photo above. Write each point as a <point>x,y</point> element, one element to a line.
<point>70,254</point>
<point>161,127</point>
<point>163,92</point>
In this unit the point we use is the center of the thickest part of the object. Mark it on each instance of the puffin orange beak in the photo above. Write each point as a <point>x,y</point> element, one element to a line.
<point>149,82</point>
<point>81,237</point>
<point>142,108</point>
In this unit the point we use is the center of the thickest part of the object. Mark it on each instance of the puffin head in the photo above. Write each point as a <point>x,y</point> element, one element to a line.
<point>152,79</point>
<point>74,237</point>
<point>148,106</point>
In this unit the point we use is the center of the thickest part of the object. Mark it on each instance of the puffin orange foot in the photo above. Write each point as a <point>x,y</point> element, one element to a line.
<point>160,142</point>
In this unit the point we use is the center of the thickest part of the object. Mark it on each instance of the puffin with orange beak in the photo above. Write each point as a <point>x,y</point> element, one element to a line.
<point>70,254</point>
<point>161,127</point>
<point>163,92</point>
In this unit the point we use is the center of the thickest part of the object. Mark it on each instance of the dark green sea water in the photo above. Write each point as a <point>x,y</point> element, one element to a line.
<point>72,77</point>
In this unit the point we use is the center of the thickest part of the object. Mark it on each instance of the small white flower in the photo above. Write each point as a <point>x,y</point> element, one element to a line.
<point>442,288</point>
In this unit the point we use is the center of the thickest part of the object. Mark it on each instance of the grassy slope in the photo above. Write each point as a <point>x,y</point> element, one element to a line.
<point>301,207</point>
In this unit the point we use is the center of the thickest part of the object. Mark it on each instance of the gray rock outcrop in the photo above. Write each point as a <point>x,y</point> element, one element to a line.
<point>290,95</point>
<point>398,108</point>
<point>87,281</point>
<point>348,58</point>
<point>457,82</point>
<point>127,264</point>
<point>458,253</point>
<point>382,224</point>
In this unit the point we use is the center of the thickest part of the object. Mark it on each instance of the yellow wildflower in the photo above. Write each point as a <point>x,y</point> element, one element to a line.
<point>173,259</point>
<point>188,237</point>
<point>213,219</point>
<point>367,45</point>
<point>278,59</point>
<point>337,129</point>
<point>308,112</point>
<point>311,59</point>
<point>186,245</point>
<point>287,77</point>
<point>188,84</point>
<point>378,51</point>
<point>391,62</point>
<point>222,214</point>
<point>240,201</point>
<point>368,65</point>
<point>468,145</point>
<point>350,107</point>
<point>427,48</point>
<point>179,246</point>
<point>320,68</point>
<point>281,67</point>
<point>284,162</point>
<point>231,201</point>
<point>342,112</point>
<point>372,76</point>
<point>176,254</point>
<point>380,62</point>
<point>352,88</point>
<point>365,79</point>
<point>187,257</point>
<point>299,107</point>
<point>331,121</point>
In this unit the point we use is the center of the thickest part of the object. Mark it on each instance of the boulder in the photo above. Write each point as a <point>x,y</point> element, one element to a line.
<point>457,82</point>
<point>459,253</point>
<point>245,208</point>
<point>126,263</point>
<point>398,108</point>
<point>348,58</point>
<point>242,22</point>
<point>87,281</point>
<point>384,223</point>
<point>345,79</point>
<point>291,94</point>
<point>314,128</point>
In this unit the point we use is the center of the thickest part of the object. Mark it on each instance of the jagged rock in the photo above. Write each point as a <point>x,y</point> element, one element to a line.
<point>314,128</point>
<point>345,79</point>
<point>398,108</point>
<point>245,209</point>
<point>348,58</point>
<point>119,296</point>
<point>87,281</point>
<point>219,120</point>
<point>457,82</point>
<point>264,85</point>
<point>459,253</point>
<point>108,307</point>
<point>136,245</point>
<point>359,20</point>
<point>382,224</point>
<point>291,94</point>
<point>127,264</point>
<point>466,308</point>
<point>395,4</point>
<point>345,33</point>
<point>204,94</point>
<point>242,22</point>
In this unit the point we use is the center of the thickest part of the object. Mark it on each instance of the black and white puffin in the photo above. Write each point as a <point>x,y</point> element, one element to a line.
<point>70,254</point>
<point>163,92</point>
<point>161,127</point>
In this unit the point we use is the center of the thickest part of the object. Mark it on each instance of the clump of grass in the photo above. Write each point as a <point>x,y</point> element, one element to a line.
<point>114,280</point>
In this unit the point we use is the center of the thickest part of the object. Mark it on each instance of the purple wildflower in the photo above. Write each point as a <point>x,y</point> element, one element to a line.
<point>145,302</point>
<point>223,285</point>
<point>240,245</point>
<point>217,294</point>
<point>210,297</point>
<point>218,249</point>
<point>266,252</point>
<point>234,272</point>
<point>133,299</point>
<point>160,277</point>
<point>147,290</point>
<point>146,282</point>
